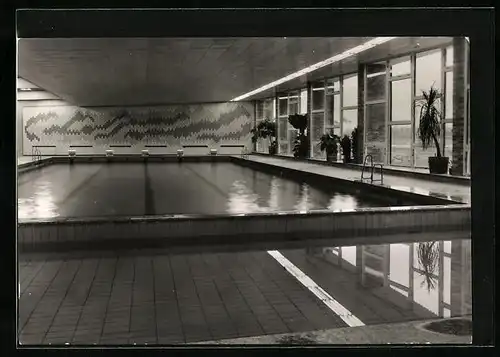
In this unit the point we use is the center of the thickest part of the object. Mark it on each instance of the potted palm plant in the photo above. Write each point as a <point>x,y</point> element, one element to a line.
<point>430,129</point>
<point>266,129</point>
<point>301,145</point>
<point>328,142</point>
<point>345,144</point>
<point>354,145</point>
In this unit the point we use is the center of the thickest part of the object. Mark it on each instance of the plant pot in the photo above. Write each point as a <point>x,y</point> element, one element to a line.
<point>331,157</point>
<point>272,149</point>
<point>438,165</point>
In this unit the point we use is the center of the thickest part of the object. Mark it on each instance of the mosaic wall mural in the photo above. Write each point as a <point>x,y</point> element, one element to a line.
<point>55,129</point>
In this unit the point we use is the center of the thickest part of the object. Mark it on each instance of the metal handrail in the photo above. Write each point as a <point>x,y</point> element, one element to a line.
<point>372,169</point>
<point>36,154</point>
<point>369,156</point>
<point>381,173</point>
<point>244,153</point>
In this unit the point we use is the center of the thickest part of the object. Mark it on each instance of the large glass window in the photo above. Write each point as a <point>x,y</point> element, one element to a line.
<point>375,131</point>
<point>317,130</point>
<point>401,100</point>
<point>350,91</point>
<point>400,145</point>
<point>269,109</point>
<point>303,101</point>
<point>428,71</point>
<point>318,97</point>
<point>375,81</point>
<point>336,109</point>
<point>329,108</point>
<point>400,66</point>
<point>349,121</point>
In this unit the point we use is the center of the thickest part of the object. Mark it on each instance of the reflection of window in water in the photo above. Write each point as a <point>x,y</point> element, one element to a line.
<point>303,203</point>
<point>40,205</point>
<point>340,201</point>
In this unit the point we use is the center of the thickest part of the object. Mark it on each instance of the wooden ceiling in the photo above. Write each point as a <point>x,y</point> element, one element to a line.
<point>146,71</point>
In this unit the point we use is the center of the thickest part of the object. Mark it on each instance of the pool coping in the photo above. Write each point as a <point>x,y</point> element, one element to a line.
<point>460,180</point>
<point>381,334</point>
<point>224,216</point>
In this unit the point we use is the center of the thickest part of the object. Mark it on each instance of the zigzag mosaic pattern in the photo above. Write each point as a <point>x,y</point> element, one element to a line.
<point>174,126</point>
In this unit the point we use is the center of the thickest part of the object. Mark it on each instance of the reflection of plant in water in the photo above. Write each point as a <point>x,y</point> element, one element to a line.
<point>428,255</point>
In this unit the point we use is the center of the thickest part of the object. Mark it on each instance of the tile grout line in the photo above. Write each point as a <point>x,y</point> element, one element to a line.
<point>202,306</point>
<point>279,287</point>
<point>299,309</point>
<point>115,266</point>
<point>214,282</point>
<point>176,297</point>
<point>98,263</point>
<point>251,275</point>
<point>347,316</point>
<point>231,277</point>
<point>62,300</point>
<point>42,294</point>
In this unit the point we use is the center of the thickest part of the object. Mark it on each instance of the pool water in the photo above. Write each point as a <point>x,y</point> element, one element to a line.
<point>126,189</point>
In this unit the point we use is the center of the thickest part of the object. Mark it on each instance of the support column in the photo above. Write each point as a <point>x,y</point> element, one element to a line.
<point>361,114</point>
<point>459,92</point>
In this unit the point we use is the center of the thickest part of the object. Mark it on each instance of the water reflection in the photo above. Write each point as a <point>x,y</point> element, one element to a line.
<point>435,276</point>
<point>284,195</point>
<point>40,203</point>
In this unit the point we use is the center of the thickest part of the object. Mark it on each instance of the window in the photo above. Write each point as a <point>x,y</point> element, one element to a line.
<point>400,66</point>
<point>318,97</point>
<point>375,81</point>
<point>400,145</point>
<point>428,71</point>
<point>401,100</point>
<point>350,91</point>
<point>283,106</point>
<point>349,121</point>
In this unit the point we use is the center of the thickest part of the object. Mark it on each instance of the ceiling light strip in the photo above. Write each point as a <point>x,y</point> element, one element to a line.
<point>351,52</point>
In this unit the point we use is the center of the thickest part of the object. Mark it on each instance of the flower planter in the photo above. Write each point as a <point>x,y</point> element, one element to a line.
<point>438,165</point>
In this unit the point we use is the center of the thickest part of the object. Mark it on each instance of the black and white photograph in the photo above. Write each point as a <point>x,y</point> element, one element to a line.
<point>244,190</point>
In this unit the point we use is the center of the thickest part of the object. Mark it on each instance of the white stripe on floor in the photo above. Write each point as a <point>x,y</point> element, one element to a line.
<point>317,290</point>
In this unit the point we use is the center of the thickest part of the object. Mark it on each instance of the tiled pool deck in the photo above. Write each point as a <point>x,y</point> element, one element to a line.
<point>427,186</point>
<point>174,296</point>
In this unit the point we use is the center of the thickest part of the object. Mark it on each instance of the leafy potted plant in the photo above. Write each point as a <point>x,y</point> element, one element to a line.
<point>266,129</point>
<point>301,145</point>
<point>345,144</point>
<point>328,142</point>
<point>430,129</point>
<point>354,144</point>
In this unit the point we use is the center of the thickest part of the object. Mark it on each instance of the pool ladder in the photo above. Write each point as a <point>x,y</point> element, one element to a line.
<point>372,169</point>
<point>244,153</point>
<point>36,154</point>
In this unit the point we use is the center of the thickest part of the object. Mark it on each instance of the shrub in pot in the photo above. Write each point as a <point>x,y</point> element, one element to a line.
<point>266,129</point>
<point>430,129</point>
<point>301,145</point>
<point>345,144</point>
<point>328,142</point>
